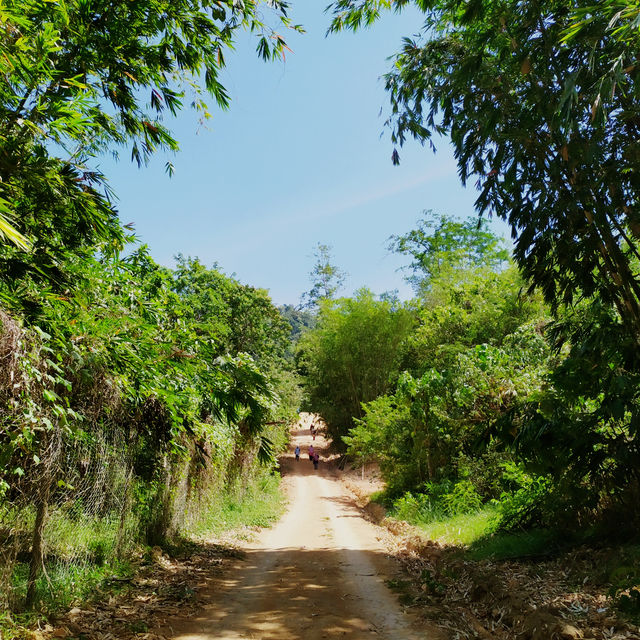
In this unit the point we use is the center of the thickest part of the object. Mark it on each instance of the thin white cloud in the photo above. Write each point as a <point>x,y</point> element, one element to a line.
<point>353,201</point>
<point>270,222</point>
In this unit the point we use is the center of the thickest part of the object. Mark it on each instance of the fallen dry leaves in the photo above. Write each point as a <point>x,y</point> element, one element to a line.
<point>552,599</point>
<point>162,588</point>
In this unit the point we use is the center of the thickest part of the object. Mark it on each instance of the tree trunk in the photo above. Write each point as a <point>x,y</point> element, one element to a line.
<point>126,504</point>
<point>429,461</point>
<point>37,547</point>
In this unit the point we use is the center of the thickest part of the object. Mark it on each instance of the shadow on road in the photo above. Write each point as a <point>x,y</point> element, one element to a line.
<point>318,574</point>
<point>291,594</point>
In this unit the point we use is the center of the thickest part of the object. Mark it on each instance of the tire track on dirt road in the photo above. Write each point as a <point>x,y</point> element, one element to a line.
<point>318,573</point>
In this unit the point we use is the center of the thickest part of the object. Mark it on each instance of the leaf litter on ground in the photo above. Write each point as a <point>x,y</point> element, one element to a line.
<point>564,597</point>
<point>161,588</point>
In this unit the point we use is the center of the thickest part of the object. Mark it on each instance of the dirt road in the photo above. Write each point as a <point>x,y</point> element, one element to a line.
<point>319,573</point>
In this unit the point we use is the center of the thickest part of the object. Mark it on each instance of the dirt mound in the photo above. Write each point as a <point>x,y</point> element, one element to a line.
<point>375,512</point>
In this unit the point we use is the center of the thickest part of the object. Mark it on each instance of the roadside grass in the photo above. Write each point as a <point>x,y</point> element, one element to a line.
<point>461,529</point>
<point>87,575</point>
<point>431,518</point>
<point>67,584</point>
<point>477,535</point>
<point>78,536</point>
<point>259,504</point>
<point>16,626</point>
<point>81,556</point>
<point>531,543</point>
<point>504,546</point>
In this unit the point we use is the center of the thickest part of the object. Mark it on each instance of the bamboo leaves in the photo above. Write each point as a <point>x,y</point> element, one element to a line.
<point>76,76</point>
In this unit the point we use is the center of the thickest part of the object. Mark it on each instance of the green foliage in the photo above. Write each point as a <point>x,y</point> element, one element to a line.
<point>351,356</point>
<point>609,25</point>
<point>381,435</point>
<point>482,466</point>
<point>476,354</point>
<point>587,416</point>
<point>439,500</point>
<point>463,499</point>
<point>524,507</point>
<point>480,307</point>
<point>442,245</point>
<point>540,102</point>
<point>325,277</point>
<point>494,76</point>
<point>628,601</point>
<point>70,584</point>
<point>131,402</point>
<point>300,320</point>
<point>462,529</point>
<point>257,504</point>
<point>452,514</point>
<point>501,546</point>
<point>415,508</point>
<point>624,577</point>
<point>241,318</point>
<point>420,433</point>
<point>129,388</point>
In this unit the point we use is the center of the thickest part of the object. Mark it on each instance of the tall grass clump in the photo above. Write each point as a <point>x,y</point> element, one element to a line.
<point>258,503</point>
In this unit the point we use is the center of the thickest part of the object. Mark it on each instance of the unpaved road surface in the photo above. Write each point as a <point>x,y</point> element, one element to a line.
<point>319,573</point>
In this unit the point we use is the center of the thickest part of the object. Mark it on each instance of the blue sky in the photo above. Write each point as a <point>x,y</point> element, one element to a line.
<point>298,159</point>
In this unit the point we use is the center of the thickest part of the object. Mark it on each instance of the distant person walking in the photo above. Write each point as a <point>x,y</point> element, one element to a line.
<point>311,452</point>
<point>316,459</point>
<point>297,452</point>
